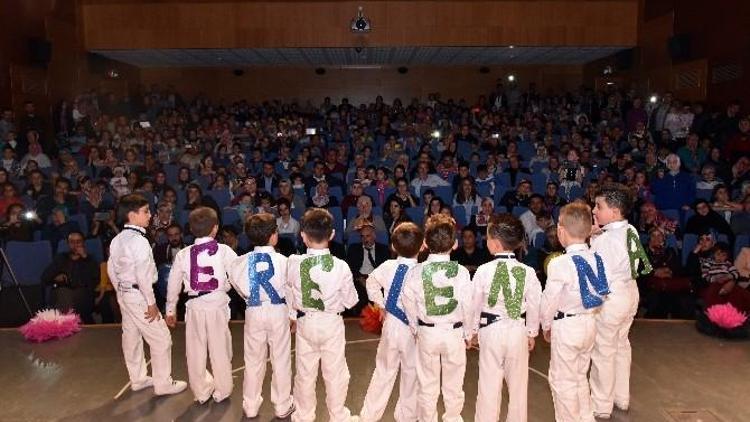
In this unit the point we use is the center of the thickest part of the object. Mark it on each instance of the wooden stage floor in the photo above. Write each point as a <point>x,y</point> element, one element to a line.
<point>678,375</point>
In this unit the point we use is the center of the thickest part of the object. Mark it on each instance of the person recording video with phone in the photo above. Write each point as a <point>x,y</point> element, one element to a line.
<point>104,226</point>
<point>19,224</point>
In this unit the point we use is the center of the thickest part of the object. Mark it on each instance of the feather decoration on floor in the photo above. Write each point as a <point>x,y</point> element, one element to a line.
<point>371,319</point>
<point>726,316</point>
<point>50,324</point>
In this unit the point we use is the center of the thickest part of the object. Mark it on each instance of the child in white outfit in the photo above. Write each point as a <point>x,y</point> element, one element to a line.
<point>398,347</point>
<point>576,284</point>
<point>320,287</point>
<point>437,300</point>
<point>506,301</point>
<point>260,278</point>
<point>132,271</point>
<point>202,269</point>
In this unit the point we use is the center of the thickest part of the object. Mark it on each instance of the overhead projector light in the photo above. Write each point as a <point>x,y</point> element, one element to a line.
<point>360,23</point>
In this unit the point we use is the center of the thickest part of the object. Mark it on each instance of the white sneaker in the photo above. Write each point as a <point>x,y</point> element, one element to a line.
<point>602,415</point>
<point>353,418</point>
<point>148,382</point>
<point>175,388</point>
<point>623,407</point>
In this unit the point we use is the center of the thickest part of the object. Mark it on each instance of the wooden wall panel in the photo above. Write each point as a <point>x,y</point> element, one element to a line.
<point>227,24</point>
<point>359,85</point>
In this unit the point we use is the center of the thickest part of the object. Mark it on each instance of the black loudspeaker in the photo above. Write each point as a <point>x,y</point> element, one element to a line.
<point>40,51</point>
<point>97,64</point>
<point>403,70</point>
<point>679,47</point>
<point>624,59</point>
<point>320,71</point>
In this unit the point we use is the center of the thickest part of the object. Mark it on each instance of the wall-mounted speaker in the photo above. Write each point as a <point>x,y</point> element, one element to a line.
<point>40,51</point>
<point>679,47</point>
<point>320,71</point>
<point>403,70</point>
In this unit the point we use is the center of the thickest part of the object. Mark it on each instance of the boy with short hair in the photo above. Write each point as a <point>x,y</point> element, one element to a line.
<point>572,297</point>
<point>320,287</point>
<point>620,247</point>
<point>506,302</point>
<point>397,346</point>
<point>260,278</point>
<point>437,300</point>
<point>132,272</point>
<point>202,269</point>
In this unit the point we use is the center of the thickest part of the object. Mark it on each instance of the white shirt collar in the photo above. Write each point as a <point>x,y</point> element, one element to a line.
<point>616,225</point>
<point>264,249</point>
<point>407,261</point>
<point>201,240</point>
<point>324,251</point>
<point>137,228</point>
<point>576,247</point>
<point>433,257</point>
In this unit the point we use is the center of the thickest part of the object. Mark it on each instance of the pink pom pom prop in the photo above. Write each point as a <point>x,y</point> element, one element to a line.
<point>51,324</point>
<point>726,316</point>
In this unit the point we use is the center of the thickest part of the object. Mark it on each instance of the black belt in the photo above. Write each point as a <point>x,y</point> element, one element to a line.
<point>191,297</point>
<point>282,302</point>
<point>492,318</point>
<point>429,324</point>
<point>561,315</point>
<point>300,314</point>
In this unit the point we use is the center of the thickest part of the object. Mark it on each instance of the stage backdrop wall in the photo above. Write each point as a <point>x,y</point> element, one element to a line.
<point>358,84</point>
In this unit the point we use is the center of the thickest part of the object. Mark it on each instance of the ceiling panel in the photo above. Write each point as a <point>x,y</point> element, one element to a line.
<point>395,56</point>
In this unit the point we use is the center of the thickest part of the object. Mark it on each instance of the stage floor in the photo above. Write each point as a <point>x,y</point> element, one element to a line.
<point>678,375</point>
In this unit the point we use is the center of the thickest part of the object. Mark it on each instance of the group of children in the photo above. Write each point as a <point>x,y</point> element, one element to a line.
<point>433,313</point>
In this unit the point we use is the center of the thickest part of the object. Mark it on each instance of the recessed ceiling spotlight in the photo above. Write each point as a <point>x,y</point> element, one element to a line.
<point>511,46</point>
<point>511,78</point>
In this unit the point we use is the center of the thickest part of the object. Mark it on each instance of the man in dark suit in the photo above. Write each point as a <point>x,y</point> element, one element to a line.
<point>164,254</point>
<point>319,175</point>
<point>268,180</point>
<point>363,258</point>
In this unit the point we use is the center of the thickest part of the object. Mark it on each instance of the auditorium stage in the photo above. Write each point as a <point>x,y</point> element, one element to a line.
<point>678,375</point>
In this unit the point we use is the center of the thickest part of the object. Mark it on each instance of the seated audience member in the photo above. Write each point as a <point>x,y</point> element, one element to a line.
<point>478,222</point>
<point>104,226</point>
<point>350,200</point>
<point>37,186</point>
<point>467,195</point>
<point>394,215</point>
<point>673,189</point>
<point>73,276</point>
<point>322,197</point>
<point>723,204</point>
<point>552,248</point>
<point>286,224</point>
<point>707,219</point>
<point>552,198</point>
<point>424,179</point>
<point>529,218</point>
<point>651,218</point>
<point>59,198</point>
<point>708,179</point>
<point>517,198</point>
<point>9,197</point>
<point>286,192</point>
<point>18,225</point>
<point>365,215</point>
<point>105,302</point>
<point>468,254</point>
<point>666,291</point>
<point>59,227</point>
<point>721,279</point>
<point>363,258</point>
<point>402,195</point>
